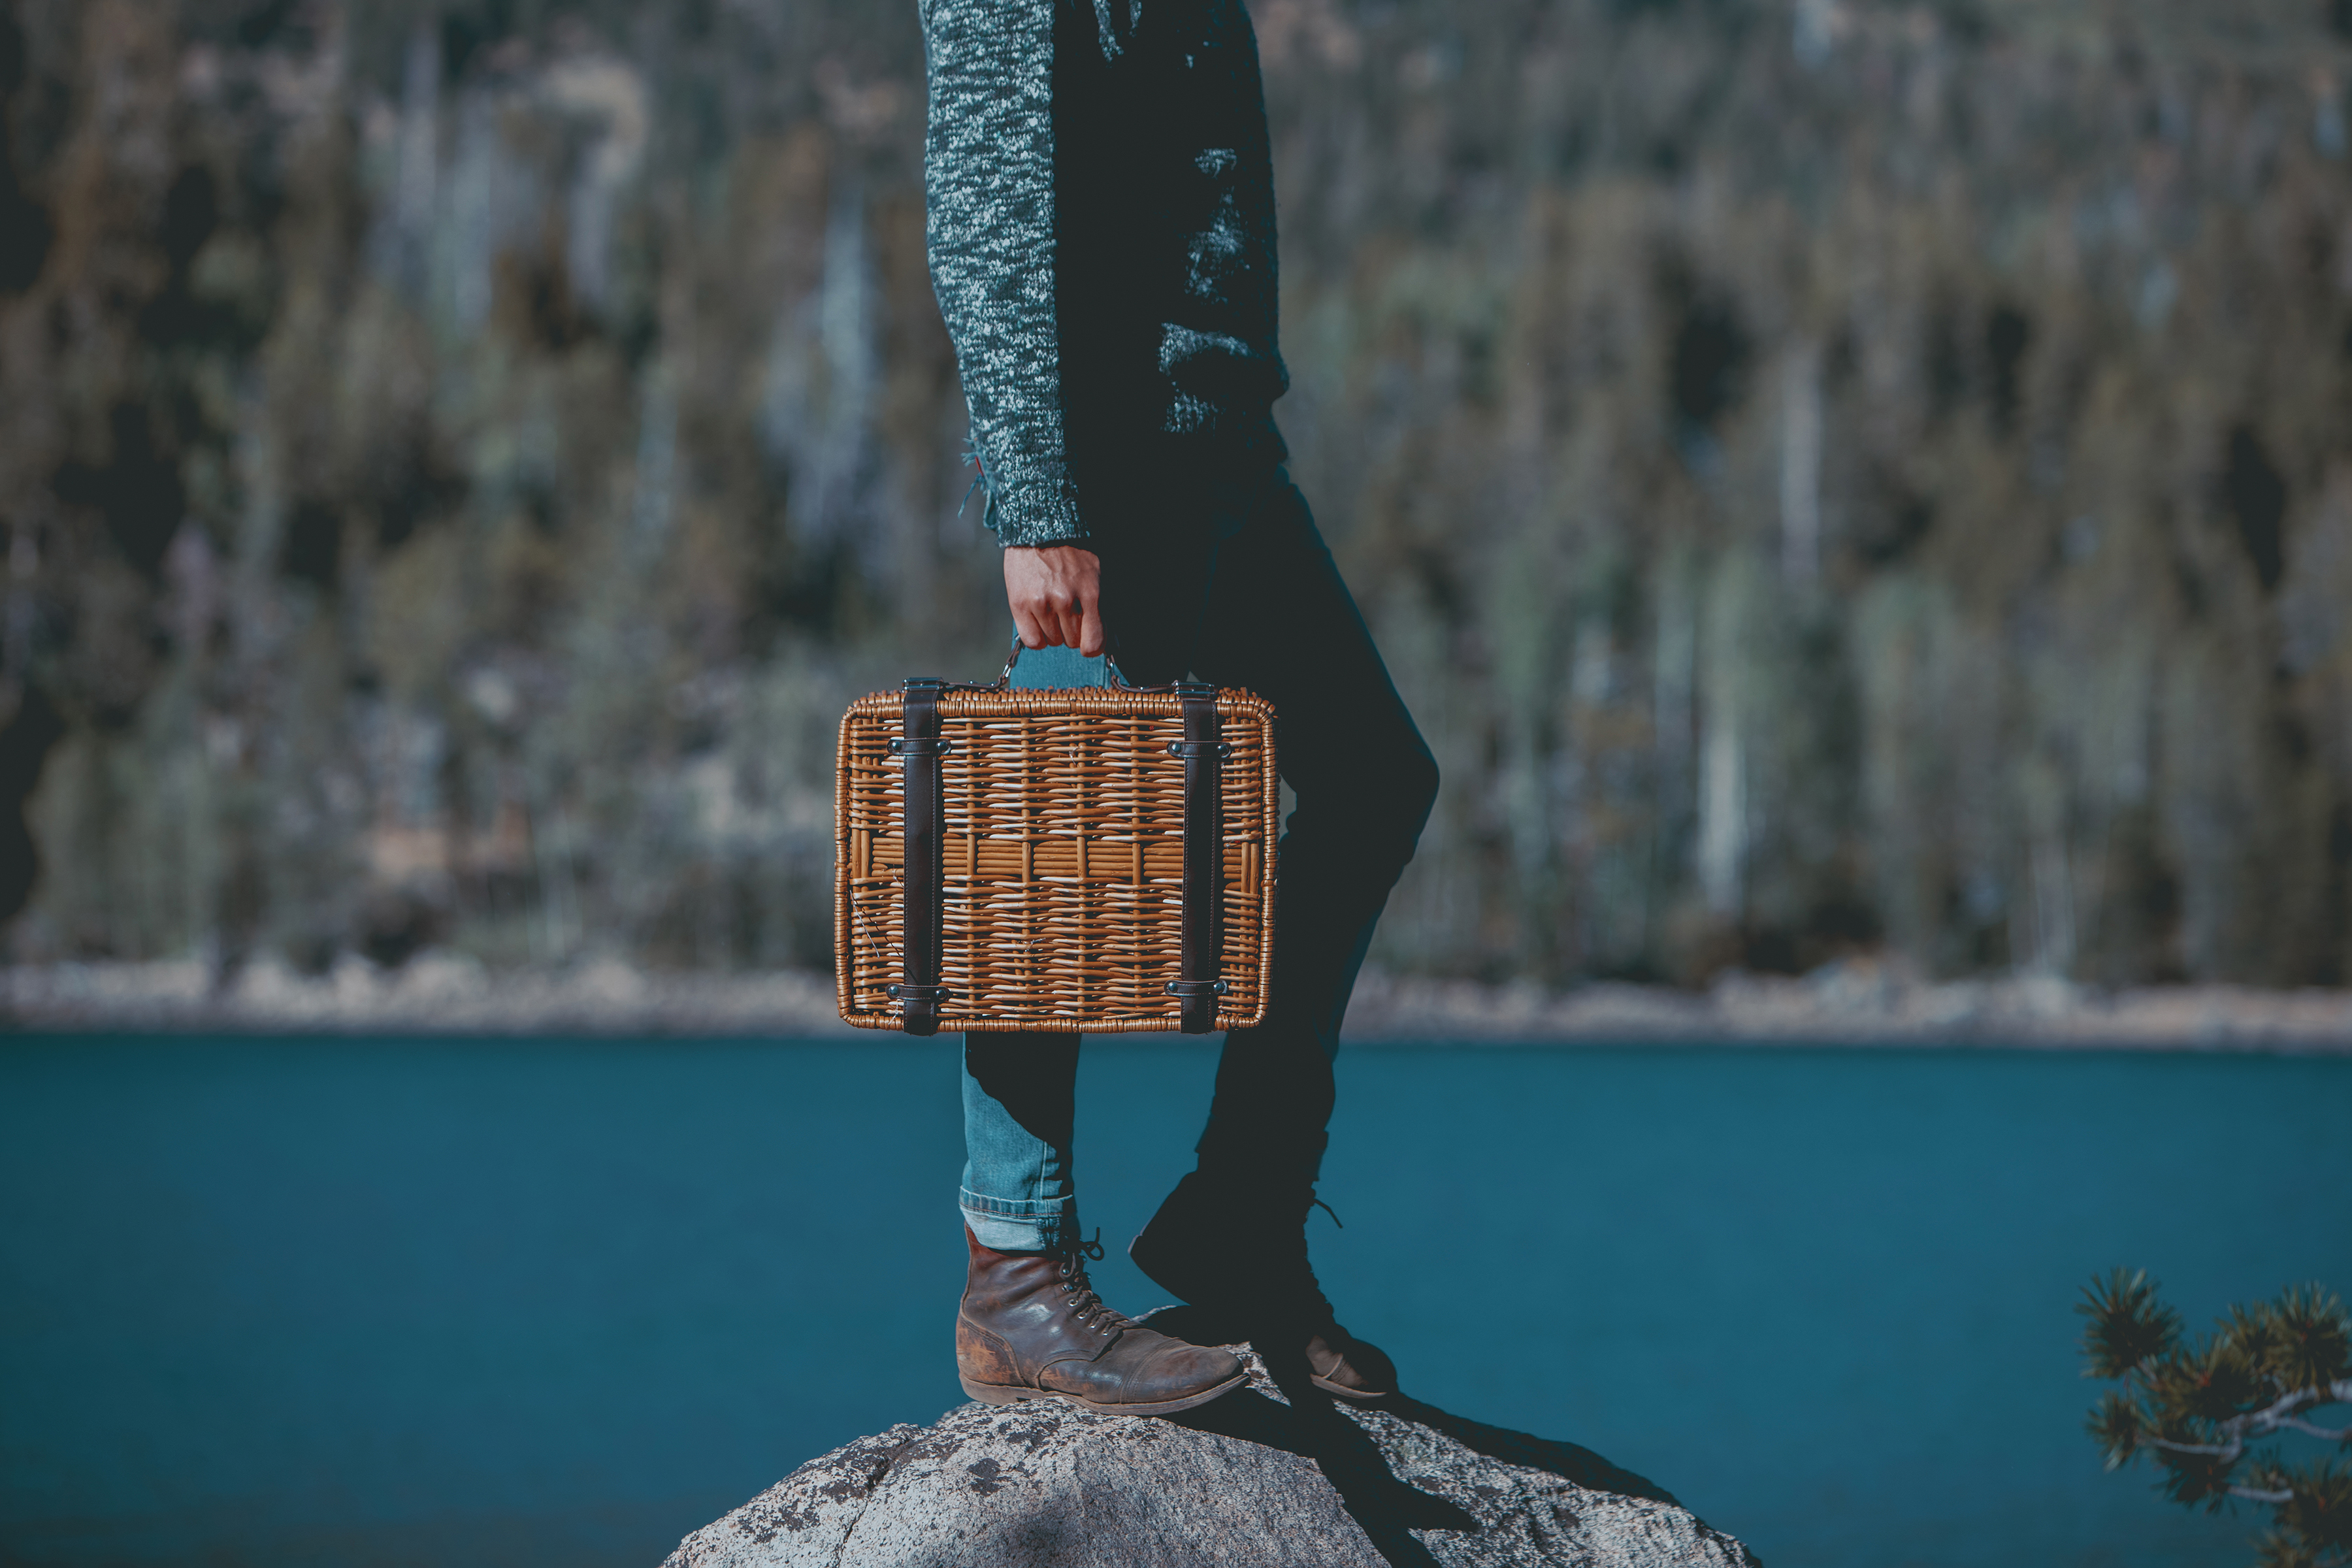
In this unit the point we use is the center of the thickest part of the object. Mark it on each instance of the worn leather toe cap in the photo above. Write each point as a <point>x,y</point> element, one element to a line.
<point>1174,1370</point>
<point>1145,1370</point>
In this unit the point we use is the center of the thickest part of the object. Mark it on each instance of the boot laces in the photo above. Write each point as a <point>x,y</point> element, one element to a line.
<point>1084,1305</point>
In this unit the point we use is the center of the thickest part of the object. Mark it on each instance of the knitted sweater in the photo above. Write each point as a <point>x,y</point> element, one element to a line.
<point>1102,242</point>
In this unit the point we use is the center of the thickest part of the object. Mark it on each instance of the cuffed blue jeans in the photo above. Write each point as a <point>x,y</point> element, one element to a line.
<point>1226,577</point>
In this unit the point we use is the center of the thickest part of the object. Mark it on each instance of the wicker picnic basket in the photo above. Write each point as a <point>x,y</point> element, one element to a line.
<point>1096,858</point>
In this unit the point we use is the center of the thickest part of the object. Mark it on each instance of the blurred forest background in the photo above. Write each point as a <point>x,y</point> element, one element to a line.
<point>1831,477</point>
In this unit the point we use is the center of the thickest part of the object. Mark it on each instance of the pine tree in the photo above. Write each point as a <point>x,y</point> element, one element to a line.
<point>2200,1409</point>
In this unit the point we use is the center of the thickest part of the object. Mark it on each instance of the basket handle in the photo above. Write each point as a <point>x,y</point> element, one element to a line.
<point>1118,679</point>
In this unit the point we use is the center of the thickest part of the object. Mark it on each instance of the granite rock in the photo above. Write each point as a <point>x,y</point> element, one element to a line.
<point>1270,1474</point>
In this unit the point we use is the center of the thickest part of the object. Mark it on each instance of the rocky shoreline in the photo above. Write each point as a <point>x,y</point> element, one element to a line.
<point>1855,1004</point>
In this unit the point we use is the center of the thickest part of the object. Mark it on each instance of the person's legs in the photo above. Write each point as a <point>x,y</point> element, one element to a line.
<point>1281,622</point>
<point>1029,1325</point>
<point>1272,614</point>
<point>1277,619</point>
<point>1019,1089</point>
<point>1019,1107</point>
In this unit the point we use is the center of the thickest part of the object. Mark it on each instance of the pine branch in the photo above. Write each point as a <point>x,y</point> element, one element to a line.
<point>2256,1424</point>
<point>2200,1407</point>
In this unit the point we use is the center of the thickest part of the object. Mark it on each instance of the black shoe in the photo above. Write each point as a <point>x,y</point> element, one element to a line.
<point>1219,1250</point>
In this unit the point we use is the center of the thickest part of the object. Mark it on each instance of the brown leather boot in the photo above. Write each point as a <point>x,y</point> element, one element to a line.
<point>1222,1250</point>
<point>1033,1328</point>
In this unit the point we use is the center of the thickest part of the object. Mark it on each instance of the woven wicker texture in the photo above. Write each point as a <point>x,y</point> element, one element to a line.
<point>1063,861</point>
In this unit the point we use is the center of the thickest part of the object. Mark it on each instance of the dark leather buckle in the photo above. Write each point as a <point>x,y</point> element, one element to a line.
<point>1198,749</point>
<point>920,746</point>
<point>931,994</point>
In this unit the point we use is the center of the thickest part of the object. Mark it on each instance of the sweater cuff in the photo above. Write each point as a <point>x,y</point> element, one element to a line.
<point>1036,514</point>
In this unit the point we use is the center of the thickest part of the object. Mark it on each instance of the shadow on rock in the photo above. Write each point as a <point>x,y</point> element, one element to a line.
<point>1566,1460</point>
<point>1386,1508</point>
<point>1277,1475</point>
<point>1582,1465</point>
<point>1303,1419</point>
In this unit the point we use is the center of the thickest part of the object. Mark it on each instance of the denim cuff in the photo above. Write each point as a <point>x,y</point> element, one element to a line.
<point>1020,1225</point>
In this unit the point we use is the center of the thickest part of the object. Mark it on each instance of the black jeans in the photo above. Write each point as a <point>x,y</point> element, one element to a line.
<point>1225,577</point>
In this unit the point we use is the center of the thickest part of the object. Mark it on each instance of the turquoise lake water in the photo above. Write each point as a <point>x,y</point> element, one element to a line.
<point>352,1303</point>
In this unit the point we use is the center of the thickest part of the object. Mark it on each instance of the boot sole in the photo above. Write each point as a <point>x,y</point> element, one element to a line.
<point>1010,1393</point>
<point>1353,1395</point>
<point>1201,1326</point>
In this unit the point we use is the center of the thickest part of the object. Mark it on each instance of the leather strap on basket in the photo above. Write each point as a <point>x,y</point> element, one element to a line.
<point>1200,985</point>
<point>919,748</point>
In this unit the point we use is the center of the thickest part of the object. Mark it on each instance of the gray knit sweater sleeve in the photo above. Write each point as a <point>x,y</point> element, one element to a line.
<point>987,166</point>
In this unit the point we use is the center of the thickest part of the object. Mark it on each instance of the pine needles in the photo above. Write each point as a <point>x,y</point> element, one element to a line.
<point>2201,1408</point>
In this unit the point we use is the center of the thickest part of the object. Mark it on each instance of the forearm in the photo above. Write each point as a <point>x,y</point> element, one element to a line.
<point>988,174</point>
